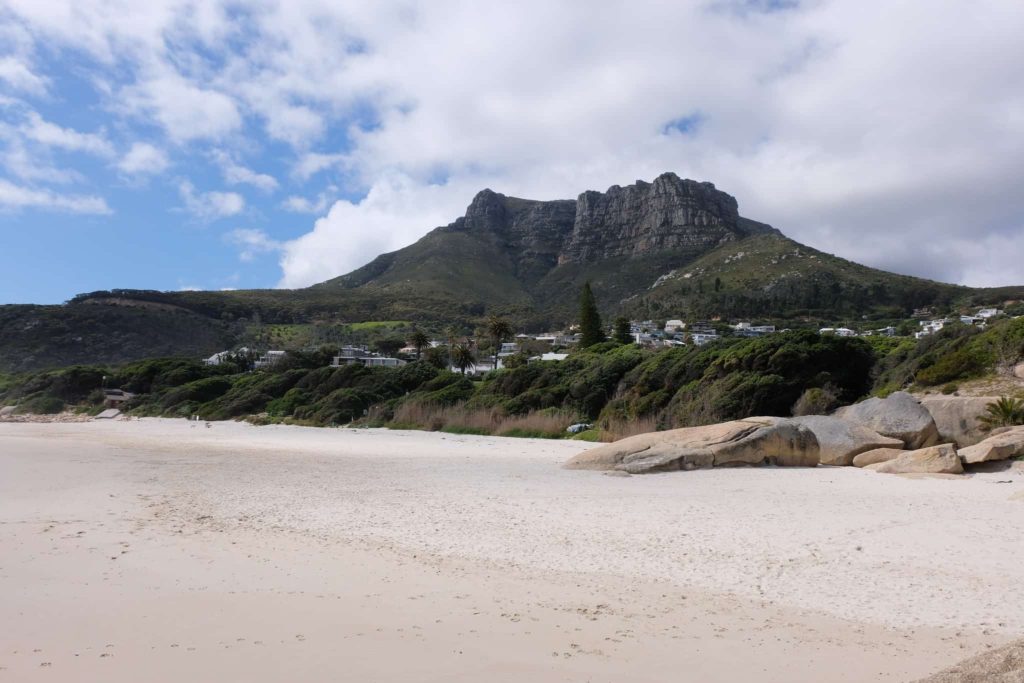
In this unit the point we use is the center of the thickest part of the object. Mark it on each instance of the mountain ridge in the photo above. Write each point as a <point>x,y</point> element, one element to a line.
<point>671,247</point>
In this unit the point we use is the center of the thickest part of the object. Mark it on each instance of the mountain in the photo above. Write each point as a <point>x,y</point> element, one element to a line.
<point>669,248</point>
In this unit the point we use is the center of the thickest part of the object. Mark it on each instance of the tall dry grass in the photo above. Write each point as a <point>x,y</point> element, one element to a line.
<point>459,418</point>
<point>619,428</point>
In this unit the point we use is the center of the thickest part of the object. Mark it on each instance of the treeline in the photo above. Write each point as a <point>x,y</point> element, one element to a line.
<point>609,383</point>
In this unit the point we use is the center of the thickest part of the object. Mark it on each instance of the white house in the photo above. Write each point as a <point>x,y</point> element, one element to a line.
<point>550,356</point>
<point>674,326</point>
<point>269,359</point>
<point>702,338</point>
<point>838,331</point>
<point>222,357</point>
<point>988,313</point>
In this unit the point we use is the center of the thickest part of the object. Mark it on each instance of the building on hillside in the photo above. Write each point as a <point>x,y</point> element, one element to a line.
<point>224,356</point>
<point>672,326</point>
<point>113,398</point>
<point>744,329</point>
<point>359,355</point>
<point>269,359</point>
<point>550,356</point>
<point>838,331</point>
<point>988,313</point>
<point>702,338</point>
<point>931,327</point>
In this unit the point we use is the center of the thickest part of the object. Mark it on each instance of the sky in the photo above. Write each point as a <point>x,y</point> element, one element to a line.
<point>176,145</point>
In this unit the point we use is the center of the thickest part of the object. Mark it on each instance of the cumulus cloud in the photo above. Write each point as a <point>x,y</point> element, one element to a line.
<point>210,206</point>
<point>17,75</point>
<point>143,159</point>
<point>13,197</point>
<point>50,134</point>
<point>890,133</point>
<point>251,243</point>
<point>236,174</point>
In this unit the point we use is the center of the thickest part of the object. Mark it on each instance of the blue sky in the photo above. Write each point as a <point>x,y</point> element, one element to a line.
<point>182,144</point>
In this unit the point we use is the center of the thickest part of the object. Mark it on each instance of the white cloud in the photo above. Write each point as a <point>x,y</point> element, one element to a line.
<point>185,110</point>
<point>143,159</point>
<point>209,206</point>
<point>311,163</point>
<point>252,243</point>
<point>299,204</point>
<point>50,134</point>
<point>13,197</point>
<point>18,76</point>
<point>236,174</point>
<point>393,214</point>
<point>891,133</point>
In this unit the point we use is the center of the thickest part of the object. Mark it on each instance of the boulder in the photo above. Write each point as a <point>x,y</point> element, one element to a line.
<point>753,441</point>
<point>839,441</point>
<point>899,416</point>
<point>1018,371</point>
<point>958,418</point>
<point>873,457</point>
<point>932,460</point>
<point>7,410</point>
<point>1006,444</point>
<point>1000,665</point>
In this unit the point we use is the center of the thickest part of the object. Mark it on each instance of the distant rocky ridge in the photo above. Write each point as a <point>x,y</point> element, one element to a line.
<point>670,248</point>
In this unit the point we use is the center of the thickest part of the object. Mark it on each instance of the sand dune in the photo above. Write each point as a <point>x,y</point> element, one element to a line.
<point>160,551</point>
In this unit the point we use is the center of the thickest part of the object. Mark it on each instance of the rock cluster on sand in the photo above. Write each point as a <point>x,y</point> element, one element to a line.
<point>1001,665</point>
<point>895,435</point>
<point>899,416</point>
<point>931,460</point>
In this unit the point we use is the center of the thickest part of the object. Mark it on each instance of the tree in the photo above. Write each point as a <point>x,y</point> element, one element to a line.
<point>419,340</point>
<point>389,347</point>
<point>498,329</point>
<point>718,283</point>
<point>590,319</point>
<point>449,333</point>
<point>462,357</point>
<point>622,333</point>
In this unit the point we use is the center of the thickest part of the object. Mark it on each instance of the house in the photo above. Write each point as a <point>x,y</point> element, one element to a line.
<point>702,338</point>
<point>674,326</point>
<point>931,327</point>
<point>269,359</point>
<point>113,398</point>
<point>360,355</point>
<point>748,330</point>
<point>838,331</point>
<point>988,313</point>
<point>224,356</point>
<point>550,356</point>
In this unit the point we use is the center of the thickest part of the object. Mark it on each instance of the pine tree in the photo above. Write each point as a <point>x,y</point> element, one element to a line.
<point>590,319</point>
<point>622,334</point>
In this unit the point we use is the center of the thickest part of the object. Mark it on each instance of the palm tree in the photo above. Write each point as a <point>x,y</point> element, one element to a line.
<point>1004,412</point>
<point>462,356</point>
<point>498,329</point>
<point>418,339</point>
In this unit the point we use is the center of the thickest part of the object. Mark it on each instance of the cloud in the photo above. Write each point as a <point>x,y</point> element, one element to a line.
<point>18,76</point>
<point>186,111</point>
<point>299,204</point>
<point>252,243</point>
<point>236,174</point>
<point>391,215</point>
<point>311,163</point>
<point>891,133</point>
<point>210,206</point>
<point>50,134</point>
<point>143,159</point>
<point>13,197</point>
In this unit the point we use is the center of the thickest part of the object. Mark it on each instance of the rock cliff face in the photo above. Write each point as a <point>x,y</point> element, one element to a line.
<point>669,213</point>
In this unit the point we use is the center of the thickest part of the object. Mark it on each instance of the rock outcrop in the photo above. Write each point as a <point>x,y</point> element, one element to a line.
<point>876,456</point>
<point>1018,371</point>
<point>899,416</point>
<point>754,441</point>
<point>1001,665</point>
<point>1002,446</point>
<point>7,410</point>
<point>839,441</point>
<point>669,213</point>
<point>958,417</point>
<point>931,460</point>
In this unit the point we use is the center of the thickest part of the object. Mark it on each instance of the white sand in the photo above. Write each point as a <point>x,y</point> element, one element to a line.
<point>158,551</point>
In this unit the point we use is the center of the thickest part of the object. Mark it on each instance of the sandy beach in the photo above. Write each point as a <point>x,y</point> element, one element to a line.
<point>160,550</point>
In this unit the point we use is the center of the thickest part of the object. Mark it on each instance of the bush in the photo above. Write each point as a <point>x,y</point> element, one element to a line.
<point>41,405</point>
<point>816,401</point>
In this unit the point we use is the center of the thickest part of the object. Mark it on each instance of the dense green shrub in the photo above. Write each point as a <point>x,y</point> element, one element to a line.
<point>41,405</point>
